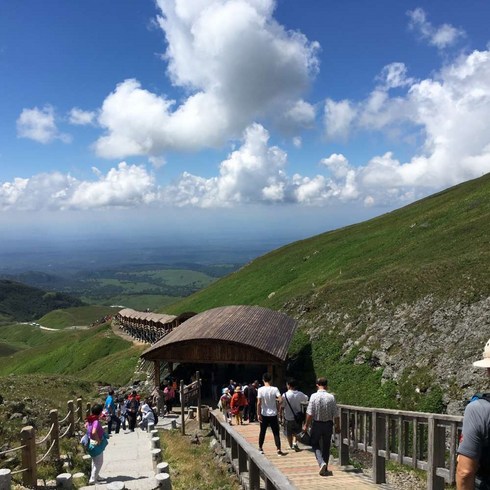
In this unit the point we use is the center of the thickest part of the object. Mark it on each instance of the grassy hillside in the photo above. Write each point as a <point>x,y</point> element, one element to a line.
<point>342,284</point>
<point>92,355</point>
<point>19,302</point>
<point>77,316</point>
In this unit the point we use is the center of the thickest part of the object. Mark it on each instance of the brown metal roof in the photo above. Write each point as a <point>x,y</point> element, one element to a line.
<point>258,333</point>
<point>143,315</point>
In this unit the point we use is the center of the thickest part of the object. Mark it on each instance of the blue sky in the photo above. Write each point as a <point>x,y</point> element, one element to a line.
<point>236,116</point>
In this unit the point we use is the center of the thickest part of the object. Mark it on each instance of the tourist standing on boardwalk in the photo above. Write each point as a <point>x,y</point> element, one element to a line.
<point>237,404</point>
<point>252,401</point>
<point>224,404</point>
<point>268,402</point>
<point>110,406</point>
<point>169,396</point>
<point>321,415</point>
<point>97,443</point>
<point>292,412</point>
<point>474,447</point>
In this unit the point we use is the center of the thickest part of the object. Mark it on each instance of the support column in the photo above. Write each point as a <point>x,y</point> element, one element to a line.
<point>156,365</point>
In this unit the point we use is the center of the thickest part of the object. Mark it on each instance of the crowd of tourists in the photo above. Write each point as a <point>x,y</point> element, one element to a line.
<point>316,416</point>
<point>127,412</point>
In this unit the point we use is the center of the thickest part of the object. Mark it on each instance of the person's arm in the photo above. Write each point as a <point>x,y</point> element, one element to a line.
<point>259,411</point>
<point>95,433</point>
<point>307,423</point>
<point>465,473</point>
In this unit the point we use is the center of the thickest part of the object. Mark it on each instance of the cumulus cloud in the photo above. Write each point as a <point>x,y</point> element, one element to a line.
<point>79,117</point>
<point>126,185</point>
<point>236,62</point>
<point>339,118</point>
<point>441,37</point>
<point>39,125</point>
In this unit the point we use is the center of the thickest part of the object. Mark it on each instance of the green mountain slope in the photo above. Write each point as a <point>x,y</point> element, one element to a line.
<point>408,269</point>
<point>19,302</point>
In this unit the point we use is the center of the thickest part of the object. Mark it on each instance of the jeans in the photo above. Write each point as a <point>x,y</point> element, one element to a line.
<point>114,419</point>
<point>321,431</point>
<point>274,425</point>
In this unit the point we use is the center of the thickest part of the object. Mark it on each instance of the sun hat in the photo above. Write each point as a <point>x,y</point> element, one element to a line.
<point>485,362</point>
<point>225,390</point>
<point>238,389</point>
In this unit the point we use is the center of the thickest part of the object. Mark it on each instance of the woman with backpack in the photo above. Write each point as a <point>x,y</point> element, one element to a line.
<point>97,443</point>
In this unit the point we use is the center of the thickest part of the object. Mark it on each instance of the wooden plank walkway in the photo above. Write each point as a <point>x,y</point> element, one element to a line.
<point>301,467</point>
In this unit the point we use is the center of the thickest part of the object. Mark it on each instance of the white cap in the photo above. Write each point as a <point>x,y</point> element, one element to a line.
<point>485,362</point>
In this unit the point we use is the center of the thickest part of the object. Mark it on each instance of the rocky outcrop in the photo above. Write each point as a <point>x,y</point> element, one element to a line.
<point>440,338</point>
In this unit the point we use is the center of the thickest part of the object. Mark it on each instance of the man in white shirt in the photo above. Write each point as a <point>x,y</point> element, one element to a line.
<point>321,414</point>
<point>268,402</point>
<point>292,412</point>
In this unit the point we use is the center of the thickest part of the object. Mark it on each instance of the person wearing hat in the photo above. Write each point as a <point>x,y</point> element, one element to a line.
<point>224,404</point>
<point>237,404</point>
<point>473,469</point>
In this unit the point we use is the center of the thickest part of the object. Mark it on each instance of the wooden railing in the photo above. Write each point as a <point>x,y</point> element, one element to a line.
<point>250,466</point>
<point>59,429</point>
<point>425,441</point>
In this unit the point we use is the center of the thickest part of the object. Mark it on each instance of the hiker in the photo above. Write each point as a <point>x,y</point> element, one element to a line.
<point>224,404</point>
<point>169,396</point>
<point>474,446</point>
<point>268,402</point>
<point>123,411</point>
<point>97,443</point>
<point>292,412</point>
<point>237,403</point>
<point>110,406</point>
<point>147,416</point>
<point>252,401</point>
<point>132,412</point>
<point>321,415</point>
<point>158,399</point>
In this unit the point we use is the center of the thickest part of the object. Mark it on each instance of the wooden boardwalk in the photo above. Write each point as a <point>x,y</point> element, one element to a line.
<point>301,467</point>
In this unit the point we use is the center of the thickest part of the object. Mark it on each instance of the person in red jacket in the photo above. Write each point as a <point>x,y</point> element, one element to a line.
<point>237,404</point>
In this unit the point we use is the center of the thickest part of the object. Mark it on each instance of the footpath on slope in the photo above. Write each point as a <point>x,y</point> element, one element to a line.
<point>127,459</point>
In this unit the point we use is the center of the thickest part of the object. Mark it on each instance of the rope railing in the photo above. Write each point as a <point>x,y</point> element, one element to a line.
<point>62,436</point>
<point>45,438</point>
<point>47,453</point>
<point>29,461</point>
<point>3,453</point>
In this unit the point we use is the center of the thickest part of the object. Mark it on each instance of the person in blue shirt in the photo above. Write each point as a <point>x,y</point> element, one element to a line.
<point>110,406</point>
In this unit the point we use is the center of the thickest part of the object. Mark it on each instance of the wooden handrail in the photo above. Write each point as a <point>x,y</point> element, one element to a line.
<point>248,463</point>
<point>425,441</point>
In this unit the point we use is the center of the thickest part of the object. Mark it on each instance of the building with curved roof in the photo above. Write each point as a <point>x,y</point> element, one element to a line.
<point>233,335</point>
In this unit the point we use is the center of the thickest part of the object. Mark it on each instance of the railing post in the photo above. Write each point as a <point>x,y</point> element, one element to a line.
<point>436,454</point>
<point>401,440</point>
<point>242,460</point>
<point>344,447</point>
<point>28,438</point>
<point>71,418</point>
<point>79,410</point>
<point>379,473</point>
<point>182,426</point>
<point>55,433</point>
<point>253,476</point>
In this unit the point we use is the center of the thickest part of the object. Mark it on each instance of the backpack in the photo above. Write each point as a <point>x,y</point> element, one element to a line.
<point>479,396</point>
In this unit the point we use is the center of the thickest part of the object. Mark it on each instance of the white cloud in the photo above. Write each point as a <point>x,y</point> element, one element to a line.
<point>79,117</point>
<point>395,75</point>
<point>441,37</point>
<point>339,118</point>
<point>237,63</point>
<point>297,142</point>
<point>126,185</point>
<point>300,115</point>
<point>39,125</point>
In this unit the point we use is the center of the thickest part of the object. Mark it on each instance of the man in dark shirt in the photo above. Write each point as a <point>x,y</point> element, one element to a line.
<point>473,469</point>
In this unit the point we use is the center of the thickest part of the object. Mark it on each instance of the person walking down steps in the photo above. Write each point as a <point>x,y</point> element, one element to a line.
<point>268,402</point>
<point>97,442</point>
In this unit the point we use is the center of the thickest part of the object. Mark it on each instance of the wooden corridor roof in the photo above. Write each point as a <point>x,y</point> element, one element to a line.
<point>239,334</point>
<point>129,313</point>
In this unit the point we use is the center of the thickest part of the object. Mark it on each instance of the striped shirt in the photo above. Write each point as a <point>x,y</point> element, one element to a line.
<point>322,406</point>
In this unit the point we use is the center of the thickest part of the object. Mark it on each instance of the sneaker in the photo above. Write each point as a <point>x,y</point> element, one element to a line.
<point>324,469</point>
<point>279,452</point>
<point>328,473</point>
<point>296,448</point>
<point>261,451</point>
<point>91,482</point>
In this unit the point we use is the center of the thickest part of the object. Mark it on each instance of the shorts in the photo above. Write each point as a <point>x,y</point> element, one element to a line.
<point>292,427</point>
